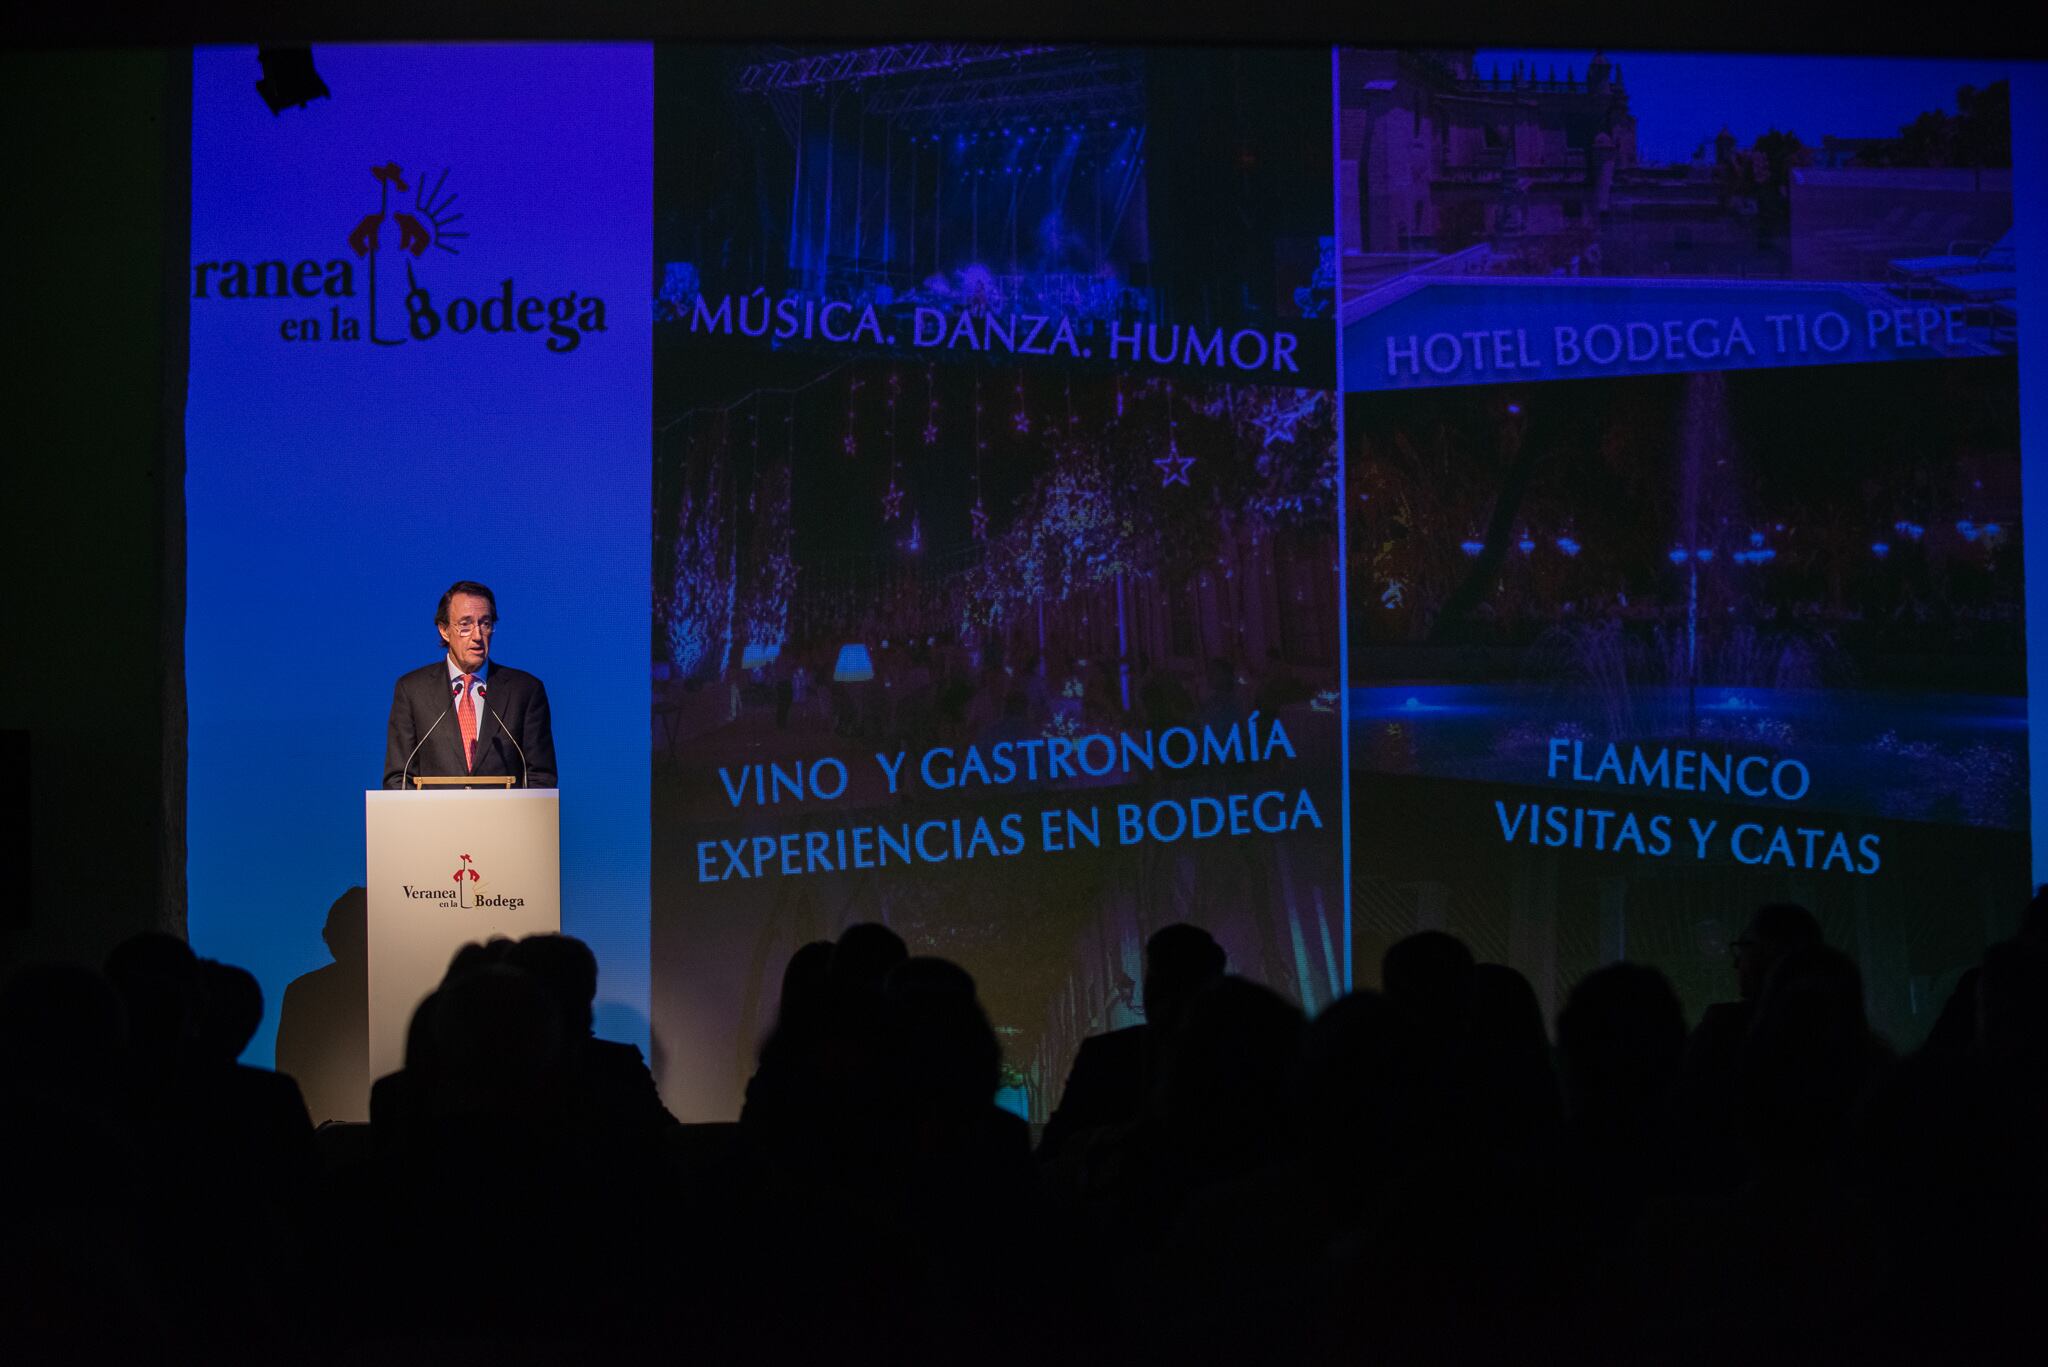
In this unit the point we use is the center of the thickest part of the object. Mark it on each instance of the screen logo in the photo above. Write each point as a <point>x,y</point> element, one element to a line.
<point>405,295</point>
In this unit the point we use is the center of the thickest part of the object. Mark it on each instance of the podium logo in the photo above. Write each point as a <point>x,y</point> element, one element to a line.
<point>464,876</point>
<point>392,312</point>
<point>464,896</point>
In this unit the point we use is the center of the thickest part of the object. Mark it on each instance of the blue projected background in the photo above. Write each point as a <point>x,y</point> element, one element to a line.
<point>335,487</point>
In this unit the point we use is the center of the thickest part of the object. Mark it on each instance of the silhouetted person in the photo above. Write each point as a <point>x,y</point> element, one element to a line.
<point>806,975</point>
<point>1429,975</point>
<point>1147,1212</point>
<point>951,1064</point>
<point>401,1102</point>
<point>613,1092</point>
<point>1707,1086</point>
<point>1430,1124</point>
<point>157,977</point>
<point>865,954</point>
<point>496,1191</point>
<point>267,1103</point>
<point>1955,1030</point>
<point>1951,1144</point>
<point>230,1010</point>
<point>1620,1038</point>
<point>1783,1268</point>
<point>1113,1072</point>
<point>323,1024</point>
<point>77,1256</point>
<point>227,1152</point>
<point>1806,1060</point>
<point>1510,1098</point>
<point>1225,1101</point>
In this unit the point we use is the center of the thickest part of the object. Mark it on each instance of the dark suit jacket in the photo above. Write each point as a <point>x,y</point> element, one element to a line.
<point>1106,1086</point>
<point>512,696</point>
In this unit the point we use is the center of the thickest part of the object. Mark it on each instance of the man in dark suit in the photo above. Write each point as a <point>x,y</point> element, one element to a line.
<point>1113,1073</point>
<point>465,713</point>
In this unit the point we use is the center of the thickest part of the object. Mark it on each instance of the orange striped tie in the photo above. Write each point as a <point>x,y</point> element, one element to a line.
<point>465,712</point>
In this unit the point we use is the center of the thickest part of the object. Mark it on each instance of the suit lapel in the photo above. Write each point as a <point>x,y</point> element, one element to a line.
<point>508,698</point>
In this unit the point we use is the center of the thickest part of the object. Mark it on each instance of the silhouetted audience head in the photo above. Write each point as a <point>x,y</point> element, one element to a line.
<point>476,956</point>
<point>346,931</point>
<point>157,976</point>
<point>1777,929</point>
<point>1504,1009</point>
<point>1620,1038</point>
<point>230,1010</point>
<point>865,954</point>
<point>564,966</point>
<point>1180,961</point>
<point>1429,975</point>
<point>805,977</point>
<point>1363,1089</point>
<point>1232,1074</point>
<point>949,1051</point>
<point>495,1032</point>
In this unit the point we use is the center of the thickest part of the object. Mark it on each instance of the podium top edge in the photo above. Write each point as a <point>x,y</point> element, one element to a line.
<point>444,794</point>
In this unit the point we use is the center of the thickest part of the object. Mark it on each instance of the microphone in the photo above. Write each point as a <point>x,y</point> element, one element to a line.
<point>402,773</point>
<point>508,733</point>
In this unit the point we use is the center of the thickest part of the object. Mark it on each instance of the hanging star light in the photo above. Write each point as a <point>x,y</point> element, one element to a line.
<point>1277,421</point>
<point>892,502</point>
<point>977,518</point>
<point>1173,468</point>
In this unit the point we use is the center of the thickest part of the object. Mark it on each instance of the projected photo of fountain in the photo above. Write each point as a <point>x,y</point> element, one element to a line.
<point>1640,654</point>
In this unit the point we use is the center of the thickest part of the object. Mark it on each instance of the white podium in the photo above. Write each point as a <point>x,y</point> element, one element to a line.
<point>447,867</point>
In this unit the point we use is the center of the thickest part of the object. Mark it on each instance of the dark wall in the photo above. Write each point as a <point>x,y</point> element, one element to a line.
<point>91,493</point>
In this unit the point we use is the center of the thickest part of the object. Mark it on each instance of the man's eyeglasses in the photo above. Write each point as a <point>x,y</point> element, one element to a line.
<point>470,626</point>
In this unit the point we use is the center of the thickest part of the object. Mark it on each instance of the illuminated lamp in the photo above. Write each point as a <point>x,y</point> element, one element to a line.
<point>853,666</point>
<point>756,655</point>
